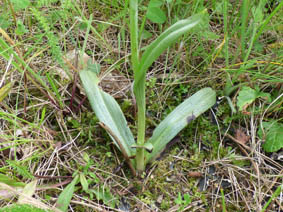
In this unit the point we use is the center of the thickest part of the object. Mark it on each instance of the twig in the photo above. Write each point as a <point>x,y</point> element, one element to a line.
<point>243,148</point>
<point>51,177</point>
<point>54,185</point>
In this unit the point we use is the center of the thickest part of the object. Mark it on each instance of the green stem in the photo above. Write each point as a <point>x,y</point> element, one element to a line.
<point>140,92</point>
<point>134,34</point>
<point>140,95</point>
<point>140,151</point>
<point>244,19</point>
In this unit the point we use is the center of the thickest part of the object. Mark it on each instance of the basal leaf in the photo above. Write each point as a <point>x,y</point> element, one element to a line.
<point>179,118</point>
<point>273,135</point>
<point>108,112</point>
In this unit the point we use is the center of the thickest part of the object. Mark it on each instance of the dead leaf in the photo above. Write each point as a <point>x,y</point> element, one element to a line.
<point>27,192</point>
<point>73,57</point>
<point>115,84</point>
<point>4,91</point>
<point>241,136</point>
<point>195,174</point>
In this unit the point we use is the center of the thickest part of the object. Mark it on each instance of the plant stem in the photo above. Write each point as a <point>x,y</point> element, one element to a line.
<point>140,160</point>
<point>244,19</point>
<point>134,34</point>
<point>140,93</point>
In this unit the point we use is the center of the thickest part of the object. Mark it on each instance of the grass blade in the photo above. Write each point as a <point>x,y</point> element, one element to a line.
<point>65,197</point>
<point>266,21</point>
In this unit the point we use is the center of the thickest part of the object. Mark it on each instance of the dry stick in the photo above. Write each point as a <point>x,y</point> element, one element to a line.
<point>27,199</point>
<point>51,177</point>
<point>5,35</point>
<point>241,145</point>
<point>70,65</point>
<point>54,185</point>
<point>73,90</point>
<point>96,208</point>
<point>262,155</point>
<point>74,82</point>
<point>120,145</point>
<point>25,94</point>
<point>81,103</point>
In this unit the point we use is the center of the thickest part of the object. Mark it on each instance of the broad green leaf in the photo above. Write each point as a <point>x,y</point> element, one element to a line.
<point>95,67</point>
<point>20,4</point>
<point>155,3</point>
<point>168,37</point>
<point>157,47</point>
<point>134,30</point>
<point>28,191</point>
<point>65,197</point>
<point>179,118</point>
<point>248,95</point>
<point>108,111</point>
<point>154,13</point>
<point>4,91</point>
<point>21,29</point>
<point>273,135</point>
